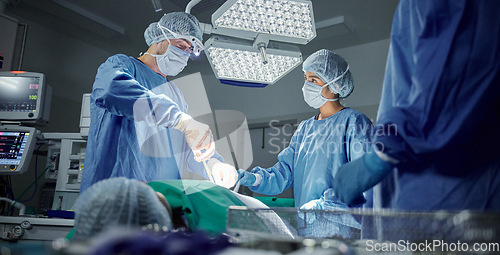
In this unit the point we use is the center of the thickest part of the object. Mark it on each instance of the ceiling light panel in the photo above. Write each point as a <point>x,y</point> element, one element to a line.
<point>235,59</point>
<point>285,20</point>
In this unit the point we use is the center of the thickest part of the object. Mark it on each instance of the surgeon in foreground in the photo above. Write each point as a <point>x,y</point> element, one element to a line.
<point>322,143</point>
<point>437,141</point>
<point>139,123</point>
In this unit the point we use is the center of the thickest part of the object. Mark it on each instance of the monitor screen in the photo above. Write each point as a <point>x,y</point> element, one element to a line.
<point>16,148</point>
<point>12,145</point>
<point>24,98</point>
<point>19,94</point>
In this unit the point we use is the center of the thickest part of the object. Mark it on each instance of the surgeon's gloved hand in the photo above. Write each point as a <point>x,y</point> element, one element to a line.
<point>246,178</point>
<point>360,175</point>
<point>315,204</point>
<point>224,174</point>
<point>198,136</point>
<point>332,202</point>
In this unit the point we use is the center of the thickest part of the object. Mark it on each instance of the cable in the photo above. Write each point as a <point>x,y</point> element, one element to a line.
<point>34,182</point>
<point>7,182</point>
<point>36,179</point>
<point>4,192</point>
<point>22,208</point>
<point>11,192</point>
<point>47,168</point>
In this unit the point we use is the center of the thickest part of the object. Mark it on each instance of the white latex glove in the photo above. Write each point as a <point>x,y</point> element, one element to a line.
<point>311,205</point>
<point>224,174</point>
<point>198,136</point>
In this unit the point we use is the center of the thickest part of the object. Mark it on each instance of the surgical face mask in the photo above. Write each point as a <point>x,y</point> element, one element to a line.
<point>173,61</point>
<point>312,92</point>
<point>312,95</point>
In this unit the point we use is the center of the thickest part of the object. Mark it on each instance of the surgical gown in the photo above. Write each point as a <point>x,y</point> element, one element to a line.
<point>440,108</point>
<point>122,140</point>
<point>316,151</point>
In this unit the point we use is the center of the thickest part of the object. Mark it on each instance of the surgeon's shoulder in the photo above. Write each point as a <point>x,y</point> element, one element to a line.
<point>119,61</point>
<point>306,122</point>
<point>357,116</point>
<point>120,58</point>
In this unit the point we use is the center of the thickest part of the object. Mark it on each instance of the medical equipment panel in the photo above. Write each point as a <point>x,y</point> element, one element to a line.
<point>16,148</point>
<point>25,98</point>
<point>32,228</point>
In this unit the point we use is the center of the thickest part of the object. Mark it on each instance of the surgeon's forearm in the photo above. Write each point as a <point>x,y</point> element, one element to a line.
<point>273,180</point>
<point>157,110</point>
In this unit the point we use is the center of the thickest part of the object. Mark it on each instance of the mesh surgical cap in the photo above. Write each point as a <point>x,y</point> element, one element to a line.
<point>178,22</point>
<point>118,202</point>
<point>328,65</point>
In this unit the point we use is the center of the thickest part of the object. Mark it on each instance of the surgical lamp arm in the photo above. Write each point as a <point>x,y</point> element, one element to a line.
<point>191,4</point>
<point>206,28</point>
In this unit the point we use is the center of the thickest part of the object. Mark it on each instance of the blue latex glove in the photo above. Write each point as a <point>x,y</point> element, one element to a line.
<point>359,175</point>
<point>246,178</point>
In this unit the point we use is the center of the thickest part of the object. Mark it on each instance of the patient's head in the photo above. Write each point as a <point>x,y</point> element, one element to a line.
<point>118,202</point>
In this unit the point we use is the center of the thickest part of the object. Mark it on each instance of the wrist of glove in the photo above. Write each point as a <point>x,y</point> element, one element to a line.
<point>357,176</point>
<point>332,201</point>
<point>183,122</point>
<point>212,162</point>
<point>246,178</point>
<point>375,164</point>
<point>198,136</point>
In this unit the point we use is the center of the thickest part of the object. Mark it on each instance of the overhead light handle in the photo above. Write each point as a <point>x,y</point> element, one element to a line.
<point>261,42</point>
<point>262,49</point>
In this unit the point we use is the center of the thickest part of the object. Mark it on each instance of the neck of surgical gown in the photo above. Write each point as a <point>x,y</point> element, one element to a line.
<point>316,151</point>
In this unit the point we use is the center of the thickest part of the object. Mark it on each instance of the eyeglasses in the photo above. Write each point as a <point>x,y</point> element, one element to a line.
<point>196,46</point>
<point>182,44</point>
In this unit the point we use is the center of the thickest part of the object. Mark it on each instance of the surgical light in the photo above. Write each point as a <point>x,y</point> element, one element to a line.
<point>241,60</point>
<point>253,39</point>
<point>284,20</point>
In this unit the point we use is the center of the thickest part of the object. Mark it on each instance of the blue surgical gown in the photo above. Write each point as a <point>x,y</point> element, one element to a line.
<point>121,142</point>
<point>440,108</point>
<point>316,150</point>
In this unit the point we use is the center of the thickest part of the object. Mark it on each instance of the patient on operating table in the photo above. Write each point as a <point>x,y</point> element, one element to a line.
<point>170,204</point>
<point>193,205</point>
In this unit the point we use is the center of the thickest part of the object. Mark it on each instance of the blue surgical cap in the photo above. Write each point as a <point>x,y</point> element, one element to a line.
<point>118,202</point>
<point>328,65</point>
<point>178,22</point>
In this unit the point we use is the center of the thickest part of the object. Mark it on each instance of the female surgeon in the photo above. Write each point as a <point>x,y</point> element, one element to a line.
<point>321,144</point>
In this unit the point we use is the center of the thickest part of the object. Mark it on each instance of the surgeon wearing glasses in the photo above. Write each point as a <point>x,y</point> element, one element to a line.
<point>322,143</point>
<point>132,98</point>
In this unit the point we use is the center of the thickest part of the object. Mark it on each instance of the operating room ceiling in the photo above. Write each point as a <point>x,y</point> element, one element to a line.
<point>118,25</point>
